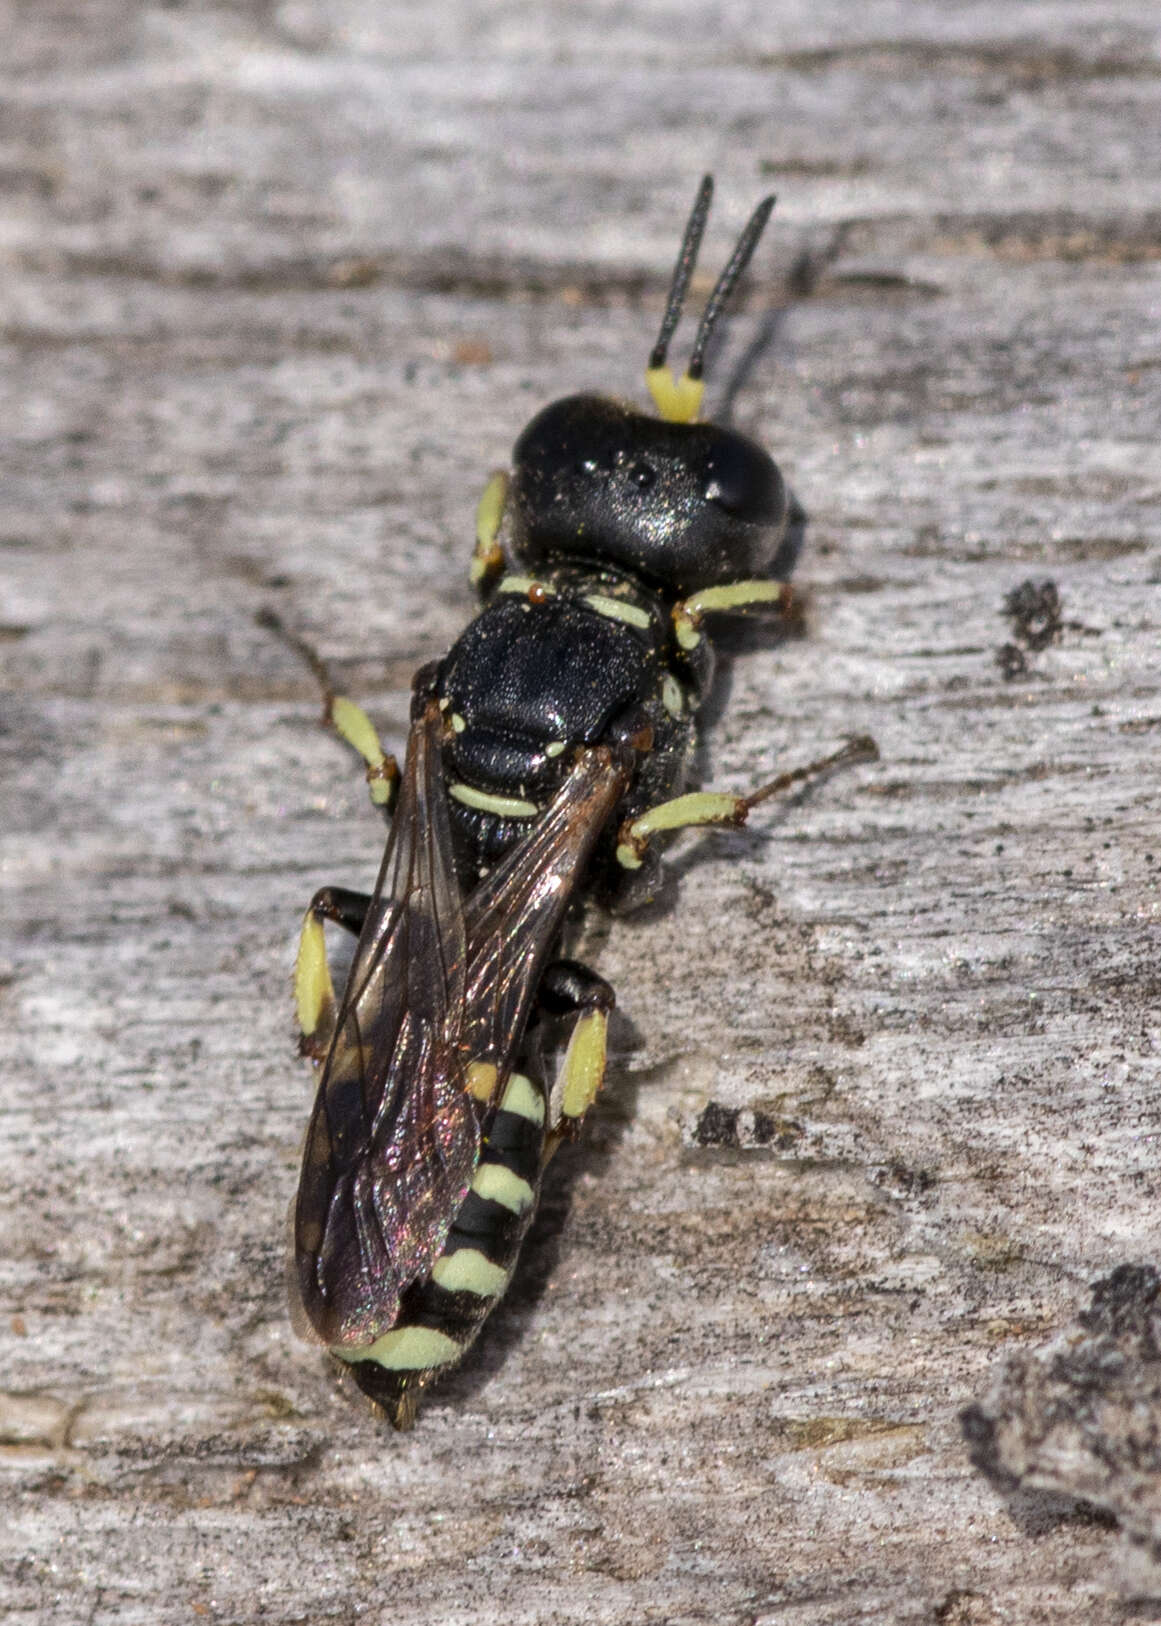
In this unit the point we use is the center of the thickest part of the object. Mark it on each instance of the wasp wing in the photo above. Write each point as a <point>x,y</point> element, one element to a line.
<point>435,985</point>
<point>393,1138</point>
<point>514,915</point>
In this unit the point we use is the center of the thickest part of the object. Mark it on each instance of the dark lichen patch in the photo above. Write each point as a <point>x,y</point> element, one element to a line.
<point>1034,610</point>
<point>717,1125</point>
<point>746,1128</point>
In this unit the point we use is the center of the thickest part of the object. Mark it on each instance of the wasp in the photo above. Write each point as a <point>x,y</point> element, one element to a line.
<point>547,750</point>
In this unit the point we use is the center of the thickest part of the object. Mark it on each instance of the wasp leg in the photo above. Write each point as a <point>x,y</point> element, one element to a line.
<point>487,564</point>
<point>314,992</point>
<point>568,986</point>
<point>349,721</point>
<point>720,807</point>
<point>689,613</point>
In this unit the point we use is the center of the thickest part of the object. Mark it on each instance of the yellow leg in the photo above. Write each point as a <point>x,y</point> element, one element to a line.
<point>582,1072</point>
<point>488,559</point>
<point>689,613</point>
<point>719,807</point>
<point>349,721</point>
<point>314,992</point>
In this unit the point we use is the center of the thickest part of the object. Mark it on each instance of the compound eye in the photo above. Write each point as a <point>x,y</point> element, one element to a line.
<point>741,480</point>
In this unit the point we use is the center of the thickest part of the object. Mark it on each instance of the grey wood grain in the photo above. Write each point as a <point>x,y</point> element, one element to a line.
<point>281,283</point>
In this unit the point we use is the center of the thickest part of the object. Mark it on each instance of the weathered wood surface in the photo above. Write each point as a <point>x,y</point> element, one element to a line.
<point>280,284</point>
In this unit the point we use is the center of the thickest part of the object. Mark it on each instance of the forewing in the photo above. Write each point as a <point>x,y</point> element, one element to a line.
<point>393,1139</point>
<point>513,916</point>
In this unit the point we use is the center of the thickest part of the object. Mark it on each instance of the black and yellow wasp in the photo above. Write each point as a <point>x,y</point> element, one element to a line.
<point>546,751</point>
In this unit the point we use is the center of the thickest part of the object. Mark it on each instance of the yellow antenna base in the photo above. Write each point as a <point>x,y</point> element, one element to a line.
<point>678,400</point>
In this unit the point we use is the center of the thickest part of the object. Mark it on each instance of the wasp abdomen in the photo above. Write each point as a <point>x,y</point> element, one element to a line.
<point>439,1318</point>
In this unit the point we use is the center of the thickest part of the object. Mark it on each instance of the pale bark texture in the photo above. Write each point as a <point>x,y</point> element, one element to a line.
<point>281,284</point>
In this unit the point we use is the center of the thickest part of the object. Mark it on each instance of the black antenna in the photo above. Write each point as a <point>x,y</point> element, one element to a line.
<point>726,283</point>
<point>683,270</point>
